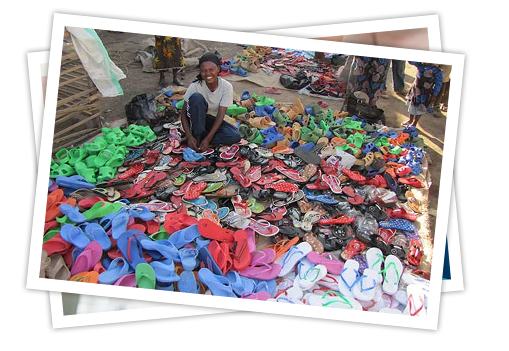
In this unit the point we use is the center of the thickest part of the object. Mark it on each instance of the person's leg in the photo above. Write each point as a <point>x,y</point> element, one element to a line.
<point>226,135</point>
<point>416,120</point>
<point>162,79</point>
<point>398,75</point>
<point>197,114</point>
<point>409,121</point>
<point>176,81</point>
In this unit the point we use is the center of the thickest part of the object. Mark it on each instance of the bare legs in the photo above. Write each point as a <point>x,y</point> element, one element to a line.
<point>412,121</point>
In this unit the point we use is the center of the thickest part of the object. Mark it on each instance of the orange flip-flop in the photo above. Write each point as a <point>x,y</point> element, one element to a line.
<point>282,246</point>
<point>86,277</point>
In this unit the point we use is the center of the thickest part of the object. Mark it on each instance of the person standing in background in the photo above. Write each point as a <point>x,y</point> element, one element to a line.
<point>168,55</point>
<point>443,97</point>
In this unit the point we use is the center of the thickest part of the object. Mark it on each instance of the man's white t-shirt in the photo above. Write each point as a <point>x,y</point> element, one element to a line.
<point>222,96</point>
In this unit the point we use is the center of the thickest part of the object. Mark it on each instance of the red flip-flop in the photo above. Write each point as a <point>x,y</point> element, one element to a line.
<point>412,181</point>
<point>349,191</point>
<point>283,187</point>
<point>194,190</point>
<point>211,230</point>
<point>269,178</point>
<point>254,173</point>
<point>353,175</point>
<point>241,254</point>
<point>340,220</point>
<point>356,200</point>
<point>332,182</point>
<point>230,152</point>
<point>293,174</point>
<point>401,213</point>
<point>240,177</point>
<point>403,171</point>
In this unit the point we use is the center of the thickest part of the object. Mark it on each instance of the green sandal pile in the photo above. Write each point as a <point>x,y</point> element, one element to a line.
<point>97,161</point>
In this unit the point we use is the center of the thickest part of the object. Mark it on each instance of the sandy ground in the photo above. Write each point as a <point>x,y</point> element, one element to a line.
<point>122,48</point>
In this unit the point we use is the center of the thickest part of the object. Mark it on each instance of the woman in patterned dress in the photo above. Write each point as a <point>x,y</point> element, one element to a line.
<point>168,55</point>
<point>423,94</point>
<point>368,75</point>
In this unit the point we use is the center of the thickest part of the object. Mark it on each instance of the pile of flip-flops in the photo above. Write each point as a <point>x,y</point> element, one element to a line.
<point>311,207</point>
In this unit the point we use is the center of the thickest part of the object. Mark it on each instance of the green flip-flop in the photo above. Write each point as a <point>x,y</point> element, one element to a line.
<point>101,209</point>
<point>160,235</point>
<point>255,206</point>
<point>211,187</point>
<point>62,156</point>
<point>106,173</point>
<point>145,276</point>
<point>180,179</point>
<point>77,154</point>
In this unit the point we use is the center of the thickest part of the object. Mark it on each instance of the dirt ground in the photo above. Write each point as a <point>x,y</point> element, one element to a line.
<point>122,48</point>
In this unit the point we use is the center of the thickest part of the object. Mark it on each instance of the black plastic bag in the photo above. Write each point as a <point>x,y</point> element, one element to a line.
<point>297,82</point>
<point>141,109</point>
<point>361,109</point>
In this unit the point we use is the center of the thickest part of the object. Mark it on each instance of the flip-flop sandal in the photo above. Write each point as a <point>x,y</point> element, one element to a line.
<point>276,215</point>
<point>240,177</point>
<point>241,206</point>
<point>412,181</point>
<point>325,199</point>
<point>333,183</point>
<point>262,227</point>
<point>392,273</point>
<point>312,240</point>
<point>57,268</point>
<point>282,149</point>
<point>283,187</point>
<point>309,219</point>
<point>254,173</point>
<point>194,190</point>
<point>299,195</point>
<point>293,174</point>
<point>230,152</point>
<point>356,200</point>
<point>269,178</point>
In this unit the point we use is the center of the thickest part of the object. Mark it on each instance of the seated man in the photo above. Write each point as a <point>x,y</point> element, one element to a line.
<point>206,101</point>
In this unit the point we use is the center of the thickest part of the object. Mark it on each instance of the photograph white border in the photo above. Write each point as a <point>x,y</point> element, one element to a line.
<point>34,282</point>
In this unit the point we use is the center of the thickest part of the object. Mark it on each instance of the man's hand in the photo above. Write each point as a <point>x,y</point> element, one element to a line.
<point>192,143</point>
<point>204,146</point>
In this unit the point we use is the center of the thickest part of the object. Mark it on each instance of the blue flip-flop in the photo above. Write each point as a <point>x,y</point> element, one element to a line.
<point>265,285</point>
<point>130,246</point>
<point>74,182</point>
<point>240,285</point>
<point>119,223</point>
<point>97,233</point>
<point>164,247</point>
<point>165,271</point>
<point>184,236</point>
<point>206,257</point>
<point>142,213</point>
<point>74,235</point>
<point>324,199</point>
<point>73,213</point>
<point>399,224</point>
<point>217,284</point>
<point>188,283</point>
<point>245,95</point>
<point>188,258</point>
<point>116,270</point>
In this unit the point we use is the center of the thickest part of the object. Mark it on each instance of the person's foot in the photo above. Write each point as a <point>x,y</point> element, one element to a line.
<point>163,83</point>
<point>177,83</point>
<point>444,108</point>
<point>406,123</point>
<point>384,95</point>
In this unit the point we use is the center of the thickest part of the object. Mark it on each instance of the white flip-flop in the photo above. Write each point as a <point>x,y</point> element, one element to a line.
<point>348,277</point>
<point>333,301</point>
<point>416,306</point>
<point>290,258</point>
<point>393,269</point>
<point>311,276</point>
<point>364,289</point>
<point>375,259</point>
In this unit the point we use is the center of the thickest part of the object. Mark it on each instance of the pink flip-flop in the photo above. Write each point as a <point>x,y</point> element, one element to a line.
<point>127,280</point>
<point>86,260</point>
<point>230,152</point>
<point>333,264</point>
<point>333,183</point>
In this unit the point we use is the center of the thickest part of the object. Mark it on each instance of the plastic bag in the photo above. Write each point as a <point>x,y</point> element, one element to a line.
<point>141,109</point>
